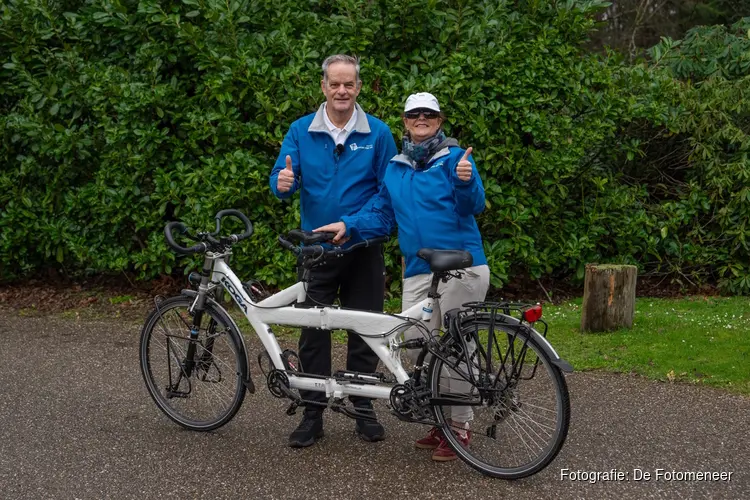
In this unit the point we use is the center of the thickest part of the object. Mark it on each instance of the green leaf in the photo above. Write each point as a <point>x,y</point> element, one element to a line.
<point>193,13</point>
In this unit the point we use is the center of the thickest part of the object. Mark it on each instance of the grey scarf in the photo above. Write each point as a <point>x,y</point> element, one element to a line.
<point>422,152</point>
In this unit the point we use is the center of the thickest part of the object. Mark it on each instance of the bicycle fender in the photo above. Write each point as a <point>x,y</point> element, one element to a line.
<point>543,343</point>
<point>249,382</point>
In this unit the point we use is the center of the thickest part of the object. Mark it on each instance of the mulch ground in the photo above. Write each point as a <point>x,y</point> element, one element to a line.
<point>102,295</point>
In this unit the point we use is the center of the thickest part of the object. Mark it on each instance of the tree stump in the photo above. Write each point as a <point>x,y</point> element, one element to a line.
<point>608,297</point>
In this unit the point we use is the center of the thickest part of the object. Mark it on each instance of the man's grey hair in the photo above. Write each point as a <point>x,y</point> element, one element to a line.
<point>339,58</point>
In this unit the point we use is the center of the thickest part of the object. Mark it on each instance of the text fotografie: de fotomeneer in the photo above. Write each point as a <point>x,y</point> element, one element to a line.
<point>642,475</point>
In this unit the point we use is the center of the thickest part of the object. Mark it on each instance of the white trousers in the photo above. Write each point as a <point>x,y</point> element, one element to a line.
<point>471,287</point>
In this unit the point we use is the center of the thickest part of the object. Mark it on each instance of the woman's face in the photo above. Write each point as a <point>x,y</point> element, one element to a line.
<point>422,124</point>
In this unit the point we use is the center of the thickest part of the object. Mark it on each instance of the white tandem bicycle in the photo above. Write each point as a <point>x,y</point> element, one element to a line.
<point>196,366</point>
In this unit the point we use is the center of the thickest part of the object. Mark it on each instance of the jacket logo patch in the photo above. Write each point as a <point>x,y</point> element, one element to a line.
<point>353,146</point>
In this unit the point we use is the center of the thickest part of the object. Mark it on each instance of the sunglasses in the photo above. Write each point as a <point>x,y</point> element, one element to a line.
<point>429,115</point>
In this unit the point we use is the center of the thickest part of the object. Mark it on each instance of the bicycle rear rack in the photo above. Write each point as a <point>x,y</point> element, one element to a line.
<point>511,309</point>
<point>512,360</point>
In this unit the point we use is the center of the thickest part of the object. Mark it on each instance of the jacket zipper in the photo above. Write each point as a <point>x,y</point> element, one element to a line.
<point>413,208</point>
<point>335,159</point>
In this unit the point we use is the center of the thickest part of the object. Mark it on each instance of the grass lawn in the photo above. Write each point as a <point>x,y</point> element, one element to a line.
<point>698,340</point>
<point>702,340</point>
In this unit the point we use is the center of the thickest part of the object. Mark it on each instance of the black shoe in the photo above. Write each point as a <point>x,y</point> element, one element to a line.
<point>307,432</point>
<point>369,430</point>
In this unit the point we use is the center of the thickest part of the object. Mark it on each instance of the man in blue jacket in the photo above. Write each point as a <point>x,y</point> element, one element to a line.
<point>336,158</point>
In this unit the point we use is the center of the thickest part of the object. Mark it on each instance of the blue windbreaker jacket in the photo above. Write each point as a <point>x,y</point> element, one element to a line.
<point>432,206</point>
<point>332,184</point>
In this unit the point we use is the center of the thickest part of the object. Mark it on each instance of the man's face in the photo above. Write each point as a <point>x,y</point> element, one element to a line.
<point>342,88</point>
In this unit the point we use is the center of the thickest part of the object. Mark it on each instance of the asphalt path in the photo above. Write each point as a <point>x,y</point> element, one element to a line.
<point>76,422</point>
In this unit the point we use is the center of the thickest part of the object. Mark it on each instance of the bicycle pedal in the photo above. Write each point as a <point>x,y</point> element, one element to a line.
<point>292,410</point>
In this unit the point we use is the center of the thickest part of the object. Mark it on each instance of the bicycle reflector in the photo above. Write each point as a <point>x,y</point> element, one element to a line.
<point>533,313</point>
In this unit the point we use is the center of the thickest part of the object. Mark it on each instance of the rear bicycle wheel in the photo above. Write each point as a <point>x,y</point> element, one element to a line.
<point>509,421</point>
<point>196,381</point>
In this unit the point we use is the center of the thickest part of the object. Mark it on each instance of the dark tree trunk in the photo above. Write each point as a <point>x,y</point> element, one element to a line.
<point>608,297</point>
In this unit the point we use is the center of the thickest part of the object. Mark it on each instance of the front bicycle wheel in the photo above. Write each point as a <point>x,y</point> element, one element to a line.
<point>507,418</point>
<point>196,380</point>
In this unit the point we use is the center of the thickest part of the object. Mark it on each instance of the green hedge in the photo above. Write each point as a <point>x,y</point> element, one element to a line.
<point>120,115</point>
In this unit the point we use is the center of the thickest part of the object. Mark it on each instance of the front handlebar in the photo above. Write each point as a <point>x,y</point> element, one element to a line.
<point>208,241</point>
<point>182,228</point>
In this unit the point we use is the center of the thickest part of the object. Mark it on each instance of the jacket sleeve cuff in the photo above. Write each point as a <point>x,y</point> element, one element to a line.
<point>349,223</point>
<point>459,183</point>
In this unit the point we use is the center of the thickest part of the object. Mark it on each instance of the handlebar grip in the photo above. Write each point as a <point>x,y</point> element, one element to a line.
<point>236,213</point>
<point>300,250</point>
<point>297,235</point>
<point>182,228</point>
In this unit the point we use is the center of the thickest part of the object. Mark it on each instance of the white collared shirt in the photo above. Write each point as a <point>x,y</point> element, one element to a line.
<point>339,135</point>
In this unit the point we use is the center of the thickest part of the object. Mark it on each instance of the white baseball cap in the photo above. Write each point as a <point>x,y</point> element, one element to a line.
<point>422,100</point>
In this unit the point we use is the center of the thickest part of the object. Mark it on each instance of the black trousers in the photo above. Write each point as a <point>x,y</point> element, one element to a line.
<point>358,279</point>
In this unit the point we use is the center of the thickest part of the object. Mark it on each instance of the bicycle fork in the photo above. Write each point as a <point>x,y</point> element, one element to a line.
<point>191,361</point>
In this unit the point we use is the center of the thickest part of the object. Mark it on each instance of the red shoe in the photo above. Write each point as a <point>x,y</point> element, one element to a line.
<point>445,453</point>
<point>432,440</point>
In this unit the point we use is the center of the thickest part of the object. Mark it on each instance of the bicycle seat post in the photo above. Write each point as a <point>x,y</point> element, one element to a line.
<point>433,292</point>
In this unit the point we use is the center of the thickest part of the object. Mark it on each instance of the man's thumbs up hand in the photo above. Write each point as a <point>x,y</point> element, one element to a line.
<point>463,169</point>
<point>285,180</point>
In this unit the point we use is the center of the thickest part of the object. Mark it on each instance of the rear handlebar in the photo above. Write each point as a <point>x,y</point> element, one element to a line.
<point>311,243</point>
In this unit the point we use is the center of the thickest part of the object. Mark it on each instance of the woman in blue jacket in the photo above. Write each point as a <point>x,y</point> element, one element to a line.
<point>432,191</point>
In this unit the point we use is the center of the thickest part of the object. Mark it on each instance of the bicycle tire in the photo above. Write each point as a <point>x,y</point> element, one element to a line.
<point>214,390</point>
<point>509,410</point>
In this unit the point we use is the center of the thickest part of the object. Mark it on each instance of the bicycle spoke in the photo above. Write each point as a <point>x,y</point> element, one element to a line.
<point>516,422</point>
<point>213,391</point>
